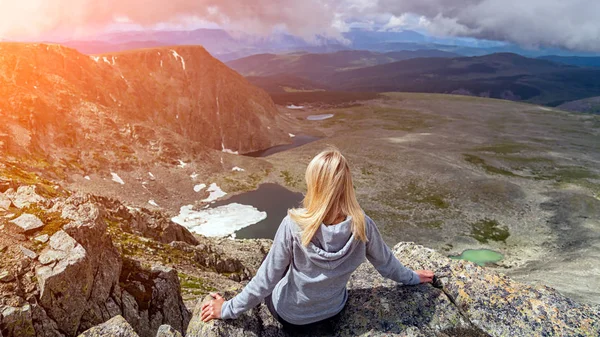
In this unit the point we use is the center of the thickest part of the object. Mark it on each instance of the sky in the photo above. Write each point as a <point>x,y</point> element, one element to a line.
<point>568,24</point>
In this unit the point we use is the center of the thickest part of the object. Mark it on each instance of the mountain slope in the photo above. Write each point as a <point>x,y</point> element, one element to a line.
<point>317,67</point>
<point>587,105</point>
<point>503,75</point>
<point>581,61</point>
<point>142,105</point>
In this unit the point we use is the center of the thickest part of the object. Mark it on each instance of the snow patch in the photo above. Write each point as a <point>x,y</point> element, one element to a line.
<point>199,187</point>
<point>117,179</point>
<point>153,203</point>
<point>95,58</point>
<point>544,108</point>
<point>223,149</point>
<point>181,164</point>
<point>295,107</point>
<point>152,177</point>
<point>319,117</point>
<point>194,175</point>
<point>292,135</point>
<point>238,169</point>
<point>220,221</point>
<point>177,56</point>
<point>105,59</point>
<point>87,178</point>
<point>215,193</point>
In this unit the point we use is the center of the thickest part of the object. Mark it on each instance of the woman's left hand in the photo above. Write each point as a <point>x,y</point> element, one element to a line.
<point>212,309</point>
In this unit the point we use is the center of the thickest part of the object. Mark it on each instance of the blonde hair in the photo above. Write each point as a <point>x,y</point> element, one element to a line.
<point>330,192</point>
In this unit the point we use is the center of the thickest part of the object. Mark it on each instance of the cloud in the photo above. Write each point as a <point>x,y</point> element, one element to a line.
<point>571,24</point>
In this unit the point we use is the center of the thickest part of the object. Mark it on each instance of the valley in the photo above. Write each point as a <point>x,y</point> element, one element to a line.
<point>450,172</point>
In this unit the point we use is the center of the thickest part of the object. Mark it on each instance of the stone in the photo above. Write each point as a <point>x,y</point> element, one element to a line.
<point>26,196</point>
<point>28,252</point>
<point>473,301</point>
<point>167,331</point>
<point>6,276</point>
<point>42,238</point>
<point>115,327</point>
<point>26,223</point>
<point>17,321</point>
<point>4,202</point>
<point>65,286</point>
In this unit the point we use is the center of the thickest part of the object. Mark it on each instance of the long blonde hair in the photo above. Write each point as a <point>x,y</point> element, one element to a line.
<point>330,192</point>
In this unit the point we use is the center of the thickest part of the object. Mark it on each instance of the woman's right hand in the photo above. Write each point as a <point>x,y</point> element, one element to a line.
<point>425,276</point>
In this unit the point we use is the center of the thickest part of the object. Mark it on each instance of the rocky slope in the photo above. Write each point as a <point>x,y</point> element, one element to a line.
<point>151,105</point>
<point>81,264</point>
<point>474,301</point>
<point>72,261</point>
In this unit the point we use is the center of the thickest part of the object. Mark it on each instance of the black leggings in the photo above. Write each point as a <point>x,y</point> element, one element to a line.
<point>323,326</point>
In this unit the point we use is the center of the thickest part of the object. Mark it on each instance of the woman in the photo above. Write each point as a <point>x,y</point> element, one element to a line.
<point>315,251</point>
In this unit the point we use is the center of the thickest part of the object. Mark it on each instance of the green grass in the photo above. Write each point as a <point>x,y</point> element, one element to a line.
<point>289,179</point>
<point>486,230</point>
<point>194,285</point>
<point>240,182</point>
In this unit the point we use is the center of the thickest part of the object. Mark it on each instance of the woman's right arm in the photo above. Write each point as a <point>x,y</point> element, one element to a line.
<point>270,272</point>
<point>382,258</point>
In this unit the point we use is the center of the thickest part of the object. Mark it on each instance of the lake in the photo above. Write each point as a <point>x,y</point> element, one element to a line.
<point>271,198</point>
<point>297,140</point>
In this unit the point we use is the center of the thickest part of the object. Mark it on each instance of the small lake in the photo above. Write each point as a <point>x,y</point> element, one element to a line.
<point>271,198</point>
<point>319,117</point>
<point>297,141</point>
<point>479,256</point>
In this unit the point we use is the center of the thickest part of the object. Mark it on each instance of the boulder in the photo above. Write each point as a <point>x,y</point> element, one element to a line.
<point>167,331</point>
<point>65,281</point>
<point>152,298</point>
<point>26,223</point>
<point>16,321</point>
<point>115,327</point>
<point>25,196</point>
<point>474,301</point>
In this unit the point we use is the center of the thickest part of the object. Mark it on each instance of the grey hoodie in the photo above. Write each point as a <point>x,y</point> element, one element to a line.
<point>309,283</point>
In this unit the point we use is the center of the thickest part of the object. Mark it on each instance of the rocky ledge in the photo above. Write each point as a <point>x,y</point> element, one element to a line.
<point>474,301</point>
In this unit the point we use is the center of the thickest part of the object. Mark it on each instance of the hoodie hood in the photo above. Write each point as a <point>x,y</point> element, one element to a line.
<point>332,244</point>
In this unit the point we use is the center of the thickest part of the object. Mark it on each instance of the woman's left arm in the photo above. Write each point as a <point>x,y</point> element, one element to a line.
<point>262,284</point>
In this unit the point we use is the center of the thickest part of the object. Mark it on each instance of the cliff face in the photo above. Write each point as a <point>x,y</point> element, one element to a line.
<point>146,103</point>
<point>474,301</point>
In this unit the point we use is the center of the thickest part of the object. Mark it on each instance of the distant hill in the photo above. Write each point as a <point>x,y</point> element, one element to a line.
<point>587,105</point>
<point>581,61</point>
<point>501,75</point>
<point>317,67</point>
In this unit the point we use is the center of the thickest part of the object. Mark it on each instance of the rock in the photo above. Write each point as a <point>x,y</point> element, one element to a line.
<point>167,331</point>
<point>115,327</point>
<point>474,301</point>
<point>26,223</point>
<point>26,196</point>
<point>4,202</point>
<point>6,276</point>
<point>17,321</point>
<point>152,298</point>
<point>65,286</point>
<point>28,252</point>
<point>146,223</point>
<point>42,238</point>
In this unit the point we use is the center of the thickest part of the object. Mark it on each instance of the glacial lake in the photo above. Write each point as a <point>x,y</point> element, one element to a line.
<point>479,256</point>
<point>297,141</point>
<point>271,198</point>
